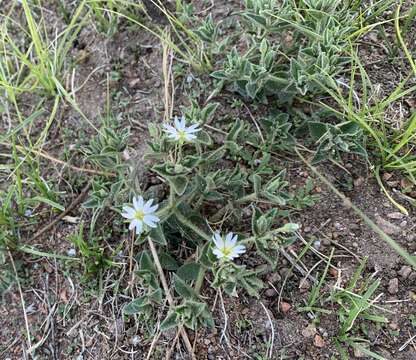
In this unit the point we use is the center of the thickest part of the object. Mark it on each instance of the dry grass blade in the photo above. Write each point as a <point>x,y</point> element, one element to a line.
<point>169,297</point>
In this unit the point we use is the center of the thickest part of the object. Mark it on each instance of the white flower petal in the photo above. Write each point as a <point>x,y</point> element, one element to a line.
<point>230,240</point>
<point>177,124</point>
<point>138,202</point>
<point>174,136</point>
<point>193,128</point>
<point>147,205</point>
<point>151,224</point>
<point>139,227</point>
<point>182,123</point>
<point>169,129</point>
<point>218,241</point>
<point>151,209</point>
<point>133,224</point>
<point>189,137</point>
<point>143,213</point>
<point>219,254</point>
<point>128,212</point>
<point>150,220</point>
<point>239,249</point>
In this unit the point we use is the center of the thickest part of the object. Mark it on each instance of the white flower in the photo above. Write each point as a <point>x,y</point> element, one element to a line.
<point>141,214</point>
<point>227,248</point>
<point>180,132</point>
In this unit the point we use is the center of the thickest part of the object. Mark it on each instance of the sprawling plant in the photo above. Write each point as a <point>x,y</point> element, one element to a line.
<point>209,187</point>
<point>290,48</point>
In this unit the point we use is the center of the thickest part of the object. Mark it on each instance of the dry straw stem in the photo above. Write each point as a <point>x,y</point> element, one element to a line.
<point>64,213</point>
<point>165,286</point>
<point>45,155</point>
<point>28,336</point>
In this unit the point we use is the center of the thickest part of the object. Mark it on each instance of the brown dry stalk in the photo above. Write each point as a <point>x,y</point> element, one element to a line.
<point>64,213</point>
<point>165,286</point>
<point>58,161</point>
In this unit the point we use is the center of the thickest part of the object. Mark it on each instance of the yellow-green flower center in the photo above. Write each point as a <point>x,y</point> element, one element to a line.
<point>227,250</point>
<point>139,215</point>
<point>182,135</point>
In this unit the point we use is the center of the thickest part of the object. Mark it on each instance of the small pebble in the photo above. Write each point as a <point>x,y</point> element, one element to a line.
<point>274,277</point>
<point>318,341</point>
<point>309,331</point>
<point>359,181</point>
<point>135,340</point>
<point>270,293</point>
<point>285,307</point>
<point>393,287</point>
<point>395,215</point>
<point>387,226</point>
<point>304,285</point>
<point>387,176</point>
<point>333,272</point>
<point>71,252</point>
<point>394,326</point>
<point>405,271</point>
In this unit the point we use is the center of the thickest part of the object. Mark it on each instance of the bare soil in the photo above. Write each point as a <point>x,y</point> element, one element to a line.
<point>73,317</point>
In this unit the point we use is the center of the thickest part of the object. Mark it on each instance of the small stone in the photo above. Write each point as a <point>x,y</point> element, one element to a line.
<point>393,287</point>
<point>304,285</point>
<point>405,271</point>
<point>354,226</point>
<point>71,252</point>
<point>274,277</point>
<point>48,267</point>
<point>326,241</point>
<point>309,331</point>
<point>387,176</point>
<point>372,36</point>
<point>395,215</point>
<point>333,272</point>
<point>359,181</point>
<point>285,307</point>
<point>318,341</point>
<point>393,325</point>
<point>270,293</point>
<point>117,328</point>
<point>412,277</point>
<point>135,340</point>
<point>285,272</point>
<point>405,183</point>
<point>358,353</point>
<point>387,226</point>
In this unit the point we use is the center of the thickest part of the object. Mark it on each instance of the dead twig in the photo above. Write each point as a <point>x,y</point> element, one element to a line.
<point>29,342</point>
<point>272,335</point>
<point>58,161</point>
<point>64,213</point>
<point>296,266</point>
<point>169,297</point>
